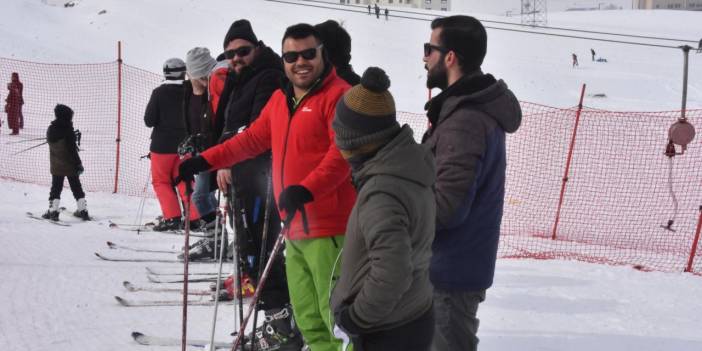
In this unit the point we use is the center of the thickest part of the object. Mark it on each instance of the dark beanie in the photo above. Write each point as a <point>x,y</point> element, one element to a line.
<point>63,112</point>
<point>240,29</point>
<point>366,113</point>
<point>337,42</point>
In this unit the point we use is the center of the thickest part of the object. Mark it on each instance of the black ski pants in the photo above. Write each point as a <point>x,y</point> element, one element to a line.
<point>250,181</point>
<point>414,336</point>
<point>57,187</point>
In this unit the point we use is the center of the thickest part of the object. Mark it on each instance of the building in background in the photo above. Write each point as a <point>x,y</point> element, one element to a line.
<point>441,5</point>
<point>695,5</point>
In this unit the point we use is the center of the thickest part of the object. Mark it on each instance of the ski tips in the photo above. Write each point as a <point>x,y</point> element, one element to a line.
<point>129,286</point>
<point>121,301</point>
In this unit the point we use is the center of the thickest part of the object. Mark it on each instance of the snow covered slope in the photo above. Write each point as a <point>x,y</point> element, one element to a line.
<point>538,68</point>
<point>56,295</point>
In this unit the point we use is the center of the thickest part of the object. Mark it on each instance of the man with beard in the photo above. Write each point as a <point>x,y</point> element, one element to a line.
<point>255,72</point>
<point>469,120</point>
<point>309,176</point>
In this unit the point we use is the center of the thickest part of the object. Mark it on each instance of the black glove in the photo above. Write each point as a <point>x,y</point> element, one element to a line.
<point>80,169</point>
<point>190,167</point>
<point>342,318</point>
<point>294,198</point>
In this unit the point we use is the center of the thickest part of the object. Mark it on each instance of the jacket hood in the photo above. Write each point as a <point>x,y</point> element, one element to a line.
<point>59,129</point>
<point>482,92</point>
<point>496,100</point>
<point>402,157</point>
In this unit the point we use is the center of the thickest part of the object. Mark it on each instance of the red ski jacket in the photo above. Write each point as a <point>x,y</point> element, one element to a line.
<point>302,143</point>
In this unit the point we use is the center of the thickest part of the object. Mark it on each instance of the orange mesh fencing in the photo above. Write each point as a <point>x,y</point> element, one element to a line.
<point>616,199</point>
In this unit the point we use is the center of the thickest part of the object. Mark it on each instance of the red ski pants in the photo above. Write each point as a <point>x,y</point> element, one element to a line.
<point>164,169</point>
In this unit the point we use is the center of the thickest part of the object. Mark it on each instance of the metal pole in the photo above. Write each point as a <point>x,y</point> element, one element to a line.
<point>686,53</point>
<point>567,167</point>
<point>186,254</point>
<point>119,112</point>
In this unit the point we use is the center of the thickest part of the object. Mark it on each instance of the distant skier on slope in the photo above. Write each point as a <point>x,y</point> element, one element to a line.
<point>575,60</point>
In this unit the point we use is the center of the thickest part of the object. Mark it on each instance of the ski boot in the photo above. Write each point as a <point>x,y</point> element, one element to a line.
<point>168,224</point>
<point>82,210</point>
<point>278,332</point>
<point>204,249</point>
<point>53,212</point>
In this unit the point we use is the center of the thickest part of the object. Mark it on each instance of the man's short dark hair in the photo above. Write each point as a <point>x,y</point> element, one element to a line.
<point>465,36</point>
<point>301,31</point>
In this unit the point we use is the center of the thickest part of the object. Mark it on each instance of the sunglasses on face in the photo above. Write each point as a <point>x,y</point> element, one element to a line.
<point>241,52</point>
<point>428,48</point>
<point>308,54</point>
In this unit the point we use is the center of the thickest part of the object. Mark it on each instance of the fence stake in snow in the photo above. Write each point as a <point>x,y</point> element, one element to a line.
<point>567,167</point>
<point>118,140</point>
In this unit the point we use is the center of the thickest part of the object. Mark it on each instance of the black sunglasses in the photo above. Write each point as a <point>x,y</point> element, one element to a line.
<point>241,52</point>
<point>308,54</point>
<point>428,48</point>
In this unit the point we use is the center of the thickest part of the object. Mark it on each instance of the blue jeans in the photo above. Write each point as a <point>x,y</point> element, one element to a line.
<point>203,198</point>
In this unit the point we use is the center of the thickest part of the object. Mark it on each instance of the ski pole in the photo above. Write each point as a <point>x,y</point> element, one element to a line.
<point>140,209</point>
<point>239,231</point>
<point>29,148</point>
<point>262,279</point>
<point>220,217</point>
<point>262,257</point>
<point>25,140</point>
<point>188,203</point>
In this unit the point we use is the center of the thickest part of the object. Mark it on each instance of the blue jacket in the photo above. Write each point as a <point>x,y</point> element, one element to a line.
<point>467,137</point>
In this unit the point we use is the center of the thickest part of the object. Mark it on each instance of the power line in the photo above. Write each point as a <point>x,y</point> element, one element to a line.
<point>511,24</point>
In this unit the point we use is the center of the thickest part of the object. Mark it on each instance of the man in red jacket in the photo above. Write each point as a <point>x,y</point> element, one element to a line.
<point>309,176</point>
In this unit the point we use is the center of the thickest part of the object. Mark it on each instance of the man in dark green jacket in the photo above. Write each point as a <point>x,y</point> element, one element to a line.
<point>383,298</point>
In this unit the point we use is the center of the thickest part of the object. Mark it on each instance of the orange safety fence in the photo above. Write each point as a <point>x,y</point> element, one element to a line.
<point>613,210</point>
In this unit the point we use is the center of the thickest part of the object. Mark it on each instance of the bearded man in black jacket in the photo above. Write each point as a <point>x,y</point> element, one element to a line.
<point>255,72</point>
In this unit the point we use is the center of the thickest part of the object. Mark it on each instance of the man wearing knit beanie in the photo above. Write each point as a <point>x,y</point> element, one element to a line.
<point>254,73</point>
<point>199,124</point>
<point>383,297</point>
<point>469,121</point>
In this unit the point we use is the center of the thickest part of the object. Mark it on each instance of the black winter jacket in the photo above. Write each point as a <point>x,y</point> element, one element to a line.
<point>207,128</point>
<point>165,115</point>
<point>63,149</point>
<point>246,93</point>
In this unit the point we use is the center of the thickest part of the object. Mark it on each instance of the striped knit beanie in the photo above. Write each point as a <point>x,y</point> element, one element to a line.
<point>366,113</point>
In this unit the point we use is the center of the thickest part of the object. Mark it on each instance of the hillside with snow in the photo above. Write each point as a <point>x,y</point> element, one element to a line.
<point>56,295</point>
<point>537,67</point>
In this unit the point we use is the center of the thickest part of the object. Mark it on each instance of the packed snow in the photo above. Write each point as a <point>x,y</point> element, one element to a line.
<point>58,296</point>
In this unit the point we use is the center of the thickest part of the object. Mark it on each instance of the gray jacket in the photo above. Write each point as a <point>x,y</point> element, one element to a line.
<point>385,262</point>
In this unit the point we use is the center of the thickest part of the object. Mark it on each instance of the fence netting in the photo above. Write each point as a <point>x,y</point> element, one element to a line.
<point>615,203</point>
